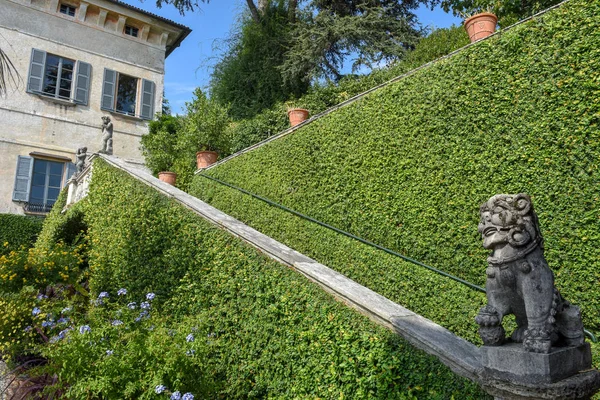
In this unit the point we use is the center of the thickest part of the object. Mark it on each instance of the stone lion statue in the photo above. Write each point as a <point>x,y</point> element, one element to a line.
<point>520,282</point>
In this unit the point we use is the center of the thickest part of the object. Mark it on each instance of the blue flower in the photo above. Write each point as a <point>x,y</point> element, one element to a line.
<point>143,314</point>
<point>159,389</point>
<point>189,338</point>
<point>66,310</point>
<point>63,333</point>
<point>117,322</point>
<point>122,292</point>
<point>103,295</point>
<point>188,396</point>
<point>190,352</point>
<point>150,296</point>
<point>62,320</point>
<point>132,305</point>
<point>47,324</point>
<point>35,311</point>
<point>145,305</point>
<point>54,339</point>
<point>28,328</point>
<point>84,328</point>
<point>41,296</point>
<point>109,352</point>
<point>98,302</point>
<point>176,396</point>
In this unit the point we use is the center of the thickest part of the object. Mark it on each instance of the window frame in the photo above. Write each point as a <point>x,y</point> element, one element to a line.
<point>68,7</point>
<point>144,95</point>
<point>24,180</point>
<point>59,77</point>
<point>134,31</point>
<point>80,78</point>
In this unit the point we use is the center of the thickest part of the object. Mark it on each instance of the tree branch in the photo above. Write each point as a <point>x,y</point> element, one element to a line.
<point>253,10</point>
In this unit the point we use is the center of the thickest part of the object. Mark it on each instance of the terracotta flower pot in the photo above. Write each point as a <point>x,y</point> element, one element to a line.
<point>206,158</point>
<point>480,26</point>
<point>297,116</point>
<point>168,177</point>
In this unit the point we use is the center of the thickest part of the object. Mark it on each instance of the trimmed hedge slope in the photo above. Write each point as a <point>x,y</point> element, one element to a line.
<point>273,334</point>
<point>408,166</point>
<point>17,231</point>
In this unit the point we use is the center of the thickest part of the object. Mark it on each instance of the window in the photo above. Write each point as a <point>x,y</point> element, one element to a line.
<point>128,95</point>
<point>67,10</point>
<point>131,31</point>
<point>38,181</point>
<point>59,77</point>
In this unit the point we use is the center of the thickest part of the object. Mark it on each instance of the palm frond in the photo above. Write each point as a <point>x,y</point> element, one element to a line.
<point>9,76</point>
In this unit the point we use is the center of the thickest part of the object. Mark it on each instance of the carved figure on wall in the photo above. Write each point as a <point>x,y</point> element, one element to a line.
<point>520,282</point>
<point>81,156</point>
<point>107,136</point>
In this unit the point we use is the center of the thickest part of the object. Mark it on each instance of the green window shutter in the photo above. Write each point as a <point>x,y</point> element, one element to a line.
<point>36,71</point>
<point>148,88</point>
<point>82,82</point>
<point>108,90</point>
<point>23,178</point>
<point>71,169</point>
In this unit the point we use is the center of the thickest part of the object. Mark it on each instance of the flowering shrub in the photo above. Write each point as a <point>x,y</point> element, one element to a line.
<point>41,267</point>
<point>119,351</point>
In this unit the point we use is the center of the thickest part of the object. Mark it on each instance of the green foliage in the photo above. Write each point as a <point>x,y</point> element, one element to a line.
<point>408,166</point>
<point>260,329</point>
<point>17,231</point>
<point>203,126</point>
<point>158,146</point>
<point>15,339</point>
<point>329,31</point>
<point>320,97</point>
<point>507,11</point>
<point>125,354</point>
<point>247,77</point>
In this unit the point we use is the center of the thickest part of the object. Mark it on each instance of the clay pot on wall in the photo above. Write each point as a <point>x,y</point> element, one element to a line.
<point>168,177</point>
<point>480,26</point>
<point>297,116</point>
<point>206,158</point>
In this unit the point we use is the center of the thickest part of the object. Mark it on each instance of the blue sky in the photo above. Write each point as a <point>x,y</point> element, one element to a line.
<point>189,66</point>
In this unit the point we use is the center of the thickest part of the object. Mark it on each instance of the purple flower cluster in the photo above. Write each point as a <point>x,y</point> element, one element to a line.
<point>122,292</point>
<point>84,328</point>
<point>159,389</point>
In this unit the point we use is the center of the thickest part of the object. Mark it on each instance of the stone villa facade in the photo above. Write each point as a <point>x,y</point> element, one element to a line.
<point>78,61</point>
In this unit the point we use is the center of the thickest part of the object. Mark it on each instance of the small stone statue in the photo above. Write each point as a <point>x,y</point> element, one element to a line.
<point>520,282</point>
<point>107,136</point>
<point>81,156</point>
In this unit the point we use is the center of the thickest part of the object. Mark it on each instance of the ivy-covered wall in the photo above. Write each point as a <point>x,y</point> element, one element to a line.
<point>271,332</point>
<point>408,166</point>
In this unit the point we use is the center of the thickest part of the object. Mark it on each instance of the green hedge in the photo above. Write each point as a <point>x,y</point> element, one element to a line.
<point>408,166</point>
<point>320,97</point>
<point>17,231</point>
<point>272,332</point>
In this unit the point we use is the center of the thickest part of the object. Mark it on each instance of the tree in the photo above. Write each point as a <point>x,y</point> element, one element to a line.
<point>329,31</point>
<point>158,145</point>
<point>247,77</point>
<point>325,34</point>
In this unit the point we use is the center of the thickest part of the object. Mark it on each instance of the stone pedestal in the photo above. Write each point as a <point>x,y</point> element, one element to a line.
<point>513,363</point>
<point>510,372</point>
